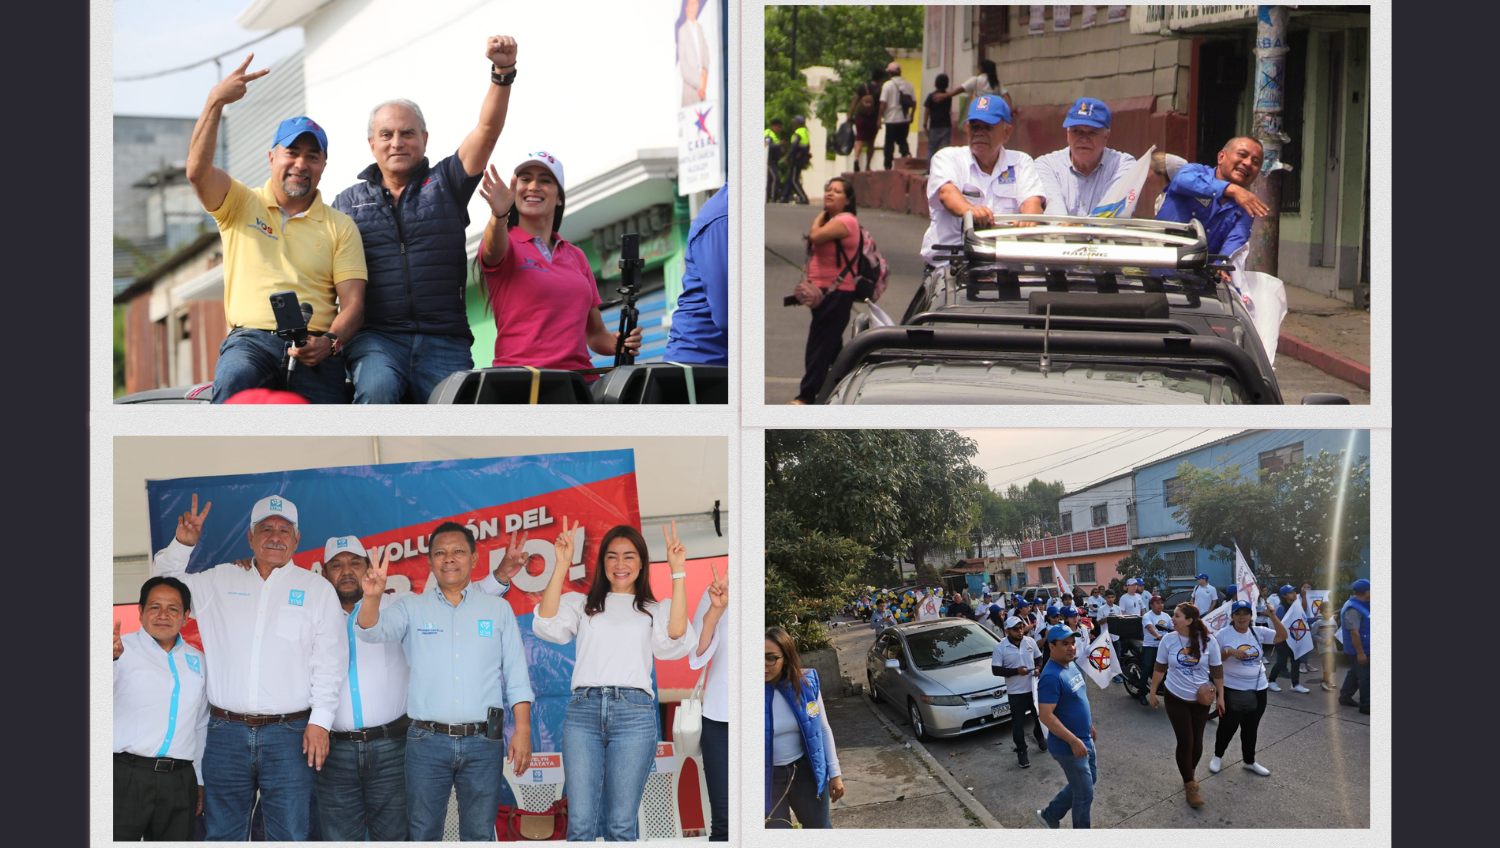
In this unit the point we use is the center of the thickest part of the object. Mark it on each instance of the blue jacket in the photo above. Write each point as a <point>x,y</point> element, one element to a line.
<point>700,325</point>
<point>1364,625</point>
<point>1195,193</point>
<point>414,249</point>
<point>805,708</point>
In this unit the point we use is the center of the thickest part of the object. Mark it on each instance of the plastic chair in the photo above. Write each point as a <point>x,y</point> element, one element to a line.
<point>539,788</point>
<point>658,809</point>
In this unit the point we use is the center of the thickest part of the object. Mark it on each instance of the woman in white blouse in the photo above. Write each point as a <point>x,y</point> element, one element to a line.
<point>1192,666</point>
<point>610,734</point>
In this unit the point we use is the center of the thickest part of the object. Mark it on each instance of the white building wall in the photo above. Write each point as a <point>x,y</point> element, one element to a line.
<point>1117,494</point>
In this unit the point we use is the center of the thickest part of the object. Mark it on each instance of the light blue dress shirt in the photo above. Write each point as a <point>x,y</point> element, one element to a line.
<point>463,659</point>
<point>1069,192</point>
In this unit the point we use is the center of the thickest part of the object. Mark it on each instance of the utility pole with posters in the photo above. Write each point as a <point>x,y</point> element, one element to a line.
<point>1270,97</point>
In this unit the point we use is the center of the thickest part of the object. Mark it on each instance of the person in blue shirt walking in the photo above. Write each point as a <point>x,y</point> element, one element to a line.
<point>1064,705</point>
<point>700,324</point>
<point>802,766</point>
<point>1354,618</point>
<point>465,654</point>
<point>1219,197</point>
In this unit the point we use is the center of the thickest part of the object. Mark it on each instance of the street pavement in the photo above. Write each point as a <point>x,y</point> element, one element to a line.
<point>1317,751</point>
<point>1323,321</point>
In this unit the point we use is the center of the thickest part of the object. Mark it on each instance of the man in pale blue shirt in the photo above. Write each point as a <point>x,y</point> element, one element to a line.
<point>466,657</point>
<point>1076,178</point>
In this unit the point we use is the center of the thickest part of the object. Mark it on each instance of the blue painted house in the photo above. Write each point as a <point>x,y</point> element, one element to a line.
<point>1251,449</point>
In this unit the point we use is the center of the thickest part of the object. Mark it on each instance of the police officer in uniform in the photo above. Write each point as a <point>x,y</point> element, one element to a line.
<point>798,157</point>
<point>1354,618</point>
<point>773,159</point>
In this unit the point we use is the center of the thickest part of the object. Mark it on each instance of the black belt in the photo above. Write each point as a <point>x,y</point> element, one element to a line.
<point>472,729</point>
<point>370,734</point>
<point>152,764</point>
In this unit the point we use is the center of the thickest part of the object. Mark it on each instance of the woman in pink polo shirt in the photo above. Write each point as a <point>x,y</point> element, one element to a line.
<point>540,287</point>
<point>832,243</point>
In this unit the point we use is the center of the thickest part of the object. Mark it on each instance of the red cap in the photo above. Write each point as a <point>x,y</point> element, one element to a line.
<point>266,396</point>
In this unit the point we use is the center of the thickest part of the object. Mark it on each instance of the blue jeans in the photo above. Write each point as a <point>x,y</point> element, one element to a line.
<point>1078,795</point>
<point>435,765</point>
<point>397,367</point>
<point>256,359</point>
<point>238,760</point>
<point>608,746</point>
<point>716,775</point>
<point>362,791</point>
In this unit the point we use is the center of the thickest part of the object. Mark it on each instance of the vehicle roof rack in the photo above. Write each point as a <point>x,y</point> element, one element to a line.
<point>991,341</point>
<point>1063,243</point>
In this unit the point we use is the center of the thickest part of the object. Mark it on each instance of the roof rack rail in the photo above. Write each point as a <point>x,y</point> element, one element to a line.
<point>1146,346</point>
<point>1059,322</point>
<point>1083,245</point>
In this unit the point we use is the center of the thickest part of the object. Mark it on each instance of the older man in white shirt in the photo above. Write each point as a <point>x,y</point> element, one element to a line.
<point>984,178</point>
<point>277,657</point>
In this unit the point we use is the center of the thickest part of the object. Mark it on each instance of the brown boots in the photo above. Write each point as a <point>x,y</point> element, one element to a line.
<point>1193,798</point>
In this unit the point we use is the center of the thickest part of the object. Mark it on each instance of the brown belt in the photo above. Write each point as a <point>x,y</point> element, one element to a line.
<point>257,720</point>
<point>473,729</point>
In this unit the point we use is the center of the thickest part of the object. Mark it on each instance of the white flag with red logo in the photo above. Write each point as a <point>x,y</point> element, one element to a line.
<point>1099,661</point>
<point>1062,585</point>
<point>1298,630</point>
<point>1244,579</point>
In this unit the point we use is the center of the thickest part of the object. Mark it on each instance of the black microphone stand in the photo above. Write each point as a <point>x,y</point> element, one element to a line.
<point>631,264</point>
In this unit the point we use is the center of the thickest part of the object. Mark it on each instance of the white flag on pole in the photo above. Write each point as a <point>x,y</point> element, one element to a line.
<point>1218,619</point>
<point>1244,579</point>
<point>1062,585</point>
<point>1119,201</point>
<point>1099,661</point>
<point>1316,598</point>
<point>1298,630</point>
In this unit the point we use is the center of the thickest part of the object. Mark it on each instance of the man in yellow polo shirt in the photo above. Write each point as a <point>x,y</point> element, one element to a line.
<point>279,237</point>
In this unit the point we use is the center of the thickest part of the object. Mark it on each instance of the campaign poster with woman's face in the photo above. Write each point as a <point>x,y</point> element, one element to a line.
<point>697,35</point>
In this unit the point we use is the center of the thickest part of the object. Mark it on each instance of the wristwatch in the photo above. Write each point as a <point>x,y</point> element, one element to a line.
<point>335,339</point>
<point>499,78</point>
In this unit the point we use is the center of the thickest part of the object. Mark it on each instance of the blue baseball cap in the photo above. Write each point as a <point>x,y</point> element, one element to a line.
<point>1240,605</point>
<point>1022,602</point>
<point>989,108</point>
<point>1087,112</point>
<point>1286,589</point>
<point>1059,633</point>
<point>1069,612</point>
<point>1203,577</point>
<point>291,128</point>
<point>1360,585</point>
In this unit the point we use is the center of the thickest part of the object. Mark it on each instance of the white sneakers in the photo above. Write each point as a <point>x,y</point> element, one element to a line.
<point>1300,688</point>
<point>1215,764</point>
<point>1327,687</point>
<point>1257,768</point>
<point>1274,687</point>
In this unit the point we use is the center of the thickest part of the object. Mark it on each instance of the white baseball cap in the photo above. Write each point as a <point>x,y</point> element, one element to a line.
<point>1011,622</point>
<point>344,545</point>
<point>546,160</point>
<point>274,505</point>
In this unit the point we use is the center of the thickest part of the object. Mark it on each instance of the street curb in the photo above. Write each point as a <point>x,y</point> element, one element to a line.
<point>1324,360</point>
<point>963,796</point>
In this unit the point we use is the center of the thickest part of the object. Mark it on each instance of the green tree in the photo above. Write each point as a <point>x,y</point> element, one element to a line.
<point>1147,564</point>
<point>1292,525</point>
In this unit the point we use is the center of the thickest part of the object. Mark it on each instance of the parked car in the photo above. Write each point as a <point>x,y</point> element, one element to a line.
<point>938,673</point>
<point>1073,310</point>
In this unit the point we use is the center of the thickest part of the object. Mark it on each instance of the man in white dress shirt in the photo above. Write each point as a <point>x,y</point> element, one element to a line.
<point>984,178</point>
<point>1078,177</point>
<point>275,647</point>
<point>161,714</point>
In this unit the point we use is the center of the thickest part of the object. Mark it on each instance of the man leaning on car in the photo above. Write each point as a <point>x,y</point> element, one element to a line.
<point>279,237</point>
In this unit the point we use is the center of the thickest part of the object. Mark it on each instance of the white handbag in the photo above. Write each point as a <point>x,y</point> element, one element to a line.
<point>687,723</point>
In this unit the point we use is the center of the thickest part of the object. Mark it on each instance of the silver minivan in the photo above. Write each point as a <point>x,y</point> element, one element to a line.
<point>938,673</point>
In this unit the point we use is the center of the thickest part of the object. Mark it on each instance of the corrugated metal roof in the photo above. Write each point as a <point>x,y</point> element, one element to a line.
<point>252,121</point>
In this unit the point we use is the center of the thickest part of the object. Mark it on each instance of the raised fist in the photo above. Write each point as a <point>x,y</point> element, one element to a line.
<point>501,50</point>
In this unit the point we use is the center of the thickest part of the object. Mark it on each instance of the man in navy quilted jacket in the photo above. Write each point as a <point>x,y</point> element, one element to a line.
<point>412,218</point>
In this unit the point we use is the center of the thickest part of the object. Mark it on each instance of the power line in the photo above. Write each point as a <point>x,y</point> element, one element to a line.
<point>1088,455</point>
<point>217,56</point>
<point>1055,453</point>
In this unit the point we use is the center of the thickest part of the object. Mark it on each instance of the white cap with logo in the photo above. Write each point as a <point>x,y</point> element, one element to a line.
<point>1012,622</point>
<point>344,545</point>
<point>274,505</point>
<point>546,160</point>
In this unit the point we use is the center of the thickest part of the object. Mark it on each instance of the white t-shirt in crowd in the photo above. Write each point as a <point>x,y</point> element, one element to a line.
<point>890,100</point>
<point>615,646</point>
<point>1025,655</point>
<point>979,85</point>
<point>1133,604</point>
<point>1248,673</point>
<point>1185,674</point>
<point>1204,597</point>
<point>1163,624</point>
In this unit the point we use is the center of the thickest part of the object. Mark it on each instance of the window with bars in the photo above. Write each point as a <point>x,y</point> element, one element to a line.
<point>1085,572</point>
<point>1172,490</point>
<point>1277,460</point>
<point>1101,514</point>
<point>1044,575</point>
<point>1065,521</point>
<point>1180,564</point>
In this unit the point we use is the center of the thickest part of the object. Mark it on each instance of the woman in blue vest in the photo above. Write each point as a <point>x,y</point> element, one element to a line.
<point>1354,618</point>
<point>802,767</point>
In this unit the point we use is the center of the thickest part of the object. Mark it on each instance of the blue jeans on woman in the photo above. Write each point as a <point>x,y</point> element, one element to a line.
<point>608,745</point>
<point>436,764</point>
<point>397,367</point>
<point>362,791</point>
<point>716,775</point>
<point>1078,795</point>
<point>238,760</point>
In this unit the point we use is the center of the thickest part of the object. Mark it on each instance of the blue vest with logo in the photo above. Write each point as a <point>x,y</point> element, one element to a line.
<point>810,725</point>
<point>414,252</point>
<point>1364,625</point>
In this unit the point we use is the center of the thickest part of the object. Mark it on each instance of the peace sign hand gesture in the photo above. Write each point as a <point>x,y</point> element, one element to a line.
<point>676,551</point>
<point>373,582</point>
<point>516,557</point>
<point>564,544</point>
<point>718,591</point>
<point>190,523</point>
<point>119,646</point>
<point>232,88</point>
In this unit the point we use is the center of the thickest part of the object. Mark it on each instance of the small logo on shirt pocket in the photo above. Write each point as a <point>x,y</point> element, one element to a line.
<point>486,628</point>
<point>192,663</point>
<point>1009,177</point>
<point>296,597</point>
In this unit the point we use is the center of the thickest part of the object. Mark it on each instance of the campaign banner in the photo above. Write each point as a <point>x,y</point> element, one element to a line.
<point>700,159</point>
<point>698,34</point>
<point>1036,23</point>
<point>1120,199</point>
<point>1062,18</point>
